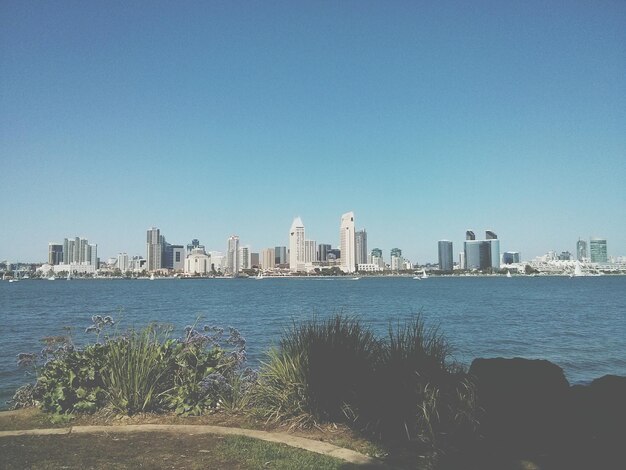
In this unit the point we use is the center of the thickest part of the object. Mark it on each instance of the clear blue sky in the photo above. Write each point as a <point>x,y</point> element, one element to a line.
<point>212,118</point>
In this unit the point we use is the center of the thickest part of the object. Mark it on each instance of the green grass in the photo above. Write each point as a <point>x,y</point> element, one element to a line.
<point>260,454</point>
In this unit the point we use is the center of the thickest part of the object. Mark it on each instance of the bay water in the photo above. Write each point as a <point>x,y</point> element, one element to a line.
<point>578,323</point>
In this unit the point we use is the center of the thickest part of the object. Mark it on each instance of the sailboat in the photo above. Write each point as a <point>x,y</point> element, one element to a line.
<point>508,273</point>
<point>578,271</point>
<point>259,276</point>
<point>424,275</point>
<point>152,277</point>
<point>69,277</point>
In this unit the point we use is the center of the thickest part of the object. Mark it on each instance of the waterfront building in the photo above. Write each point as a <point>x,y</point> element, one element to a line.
<point>445,256</point>
<point>482,254</point>
<point>92,256</point>
<point>322,252</point>
<point>122,262</point>
<point>369,267</point>
<point>597,250</point>
<point>77,251</point>
<point>333,254</point>
<point>346,243</point>
<point>178,257</point>
<point>310,251</point>
<point>280,255</point>
<point>218,261</point>
<point>581,250</point>
<point>195,243</point>
<point>244,258</point>
<point>198,263</point>
<point>55,253</point>
<point>377,252</point>
<point>268,258</point>
<point>297,240</point>
<point>254,260</point>
<point>510,257</point>
<point>154,249</point>
<point>396,261</point>
<point>360,243</point>
<point>232,256</point>
<point>462,260</point>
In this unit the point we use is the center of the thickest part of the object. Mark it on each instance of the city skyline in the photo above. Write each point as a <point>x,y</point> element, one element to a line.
<point>210,119</point>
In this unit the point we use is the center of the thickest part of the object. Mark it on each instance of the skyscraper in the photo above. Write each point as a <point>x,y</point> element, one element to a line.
<point>581,250</point>
<point>445,256</point>
<point>360,243</point>
<point>232,256</point>
<point>268,258</point>
<point>322,252</point>
<point>280,255</point>
<point>310,251</point>
<point>55,253</point>
<point>154,249</point>
<point>346,241</point>
<point>482,254</point>
<point>597,250</point>
<point>122,262</point>
<point>296,246</point>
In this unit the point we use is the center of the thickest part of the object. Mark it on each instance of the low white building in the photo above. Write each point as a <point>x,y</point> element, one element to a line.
<point>369,267</point>
<point>197,263</point>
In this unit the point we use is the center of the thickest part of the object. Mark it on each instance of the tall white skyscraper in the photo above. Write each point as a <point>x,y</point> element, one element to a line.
<point>347,245</point>
<point>154,249</point>
<point>297,255</point>
<point>233,255</point>
<point>122,262</point>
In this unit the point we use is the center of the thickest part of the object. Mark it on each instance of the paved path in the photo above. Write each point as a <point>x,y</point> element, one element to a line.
<point>311,445</point>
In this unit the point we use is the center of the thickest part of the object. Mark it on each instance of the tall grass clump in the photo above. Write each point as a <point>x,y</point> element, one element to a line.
<point>319,370</point>
<point>418,392</point>
<point>402,386</point>
<point>136,365</point>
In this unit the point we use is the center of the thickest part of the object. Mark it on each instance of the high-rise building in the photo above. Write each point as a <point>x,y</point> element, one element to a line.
<point>254,260</point>
<point>244,257</point>
<point>55,253</point>
<point>346,243</point>
<point>360,243</point>
<point>482,254</point>
<point>154,249</point>
<point>78,251</point>
<point>446,261</point>
<point>296,246</point>
<point>280,255</point>
<point>322,252</point>
<point>310,251</point>
<point>376,258</point>
<point>122,262</point>
<point>232,256</point>
<point>397,261</point>
<point>462,260</point>
<point>581,250</point>
<point>597,250</point>
<point>268,258</point>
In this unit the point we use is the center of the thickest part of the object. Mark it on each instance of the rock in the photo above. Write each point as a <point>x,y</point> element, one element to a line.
<point>523,403</point>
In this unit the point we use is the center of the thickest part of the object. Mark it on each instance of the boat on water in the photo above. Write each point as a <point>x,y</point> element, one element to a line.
<point>69,277</point>
<point>52,278</point>
<point>508,273</point>
<point>356,278</point>
<point>259,276</point>
<point>152,277</point>
<point>578,270</point>
<point>424,275</point>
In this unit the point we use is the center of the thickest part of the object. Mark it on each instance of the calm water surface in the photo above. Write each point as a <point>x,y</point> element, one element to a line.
<point>580,324</point>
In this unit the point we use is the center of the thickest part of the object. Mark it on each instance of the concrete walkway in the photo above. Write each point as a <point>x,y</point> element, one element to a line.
<point>311,445</point>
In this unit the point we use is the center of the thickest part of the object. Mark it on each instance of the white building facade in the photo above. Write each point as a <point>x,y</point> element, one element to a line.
<point>297,256</point>
<point>347,243</point>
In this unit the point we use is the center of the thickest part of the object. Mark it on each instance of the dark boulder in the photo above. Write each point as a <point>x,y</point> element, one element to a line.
<point>523,403</point>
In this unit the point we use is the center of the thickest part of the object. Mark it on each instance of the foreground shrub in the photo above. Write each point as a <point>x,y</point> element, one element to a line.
<point>138,371</point>
<point>321,368</point>
<point>402,386</point>
<point>417,393</point>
